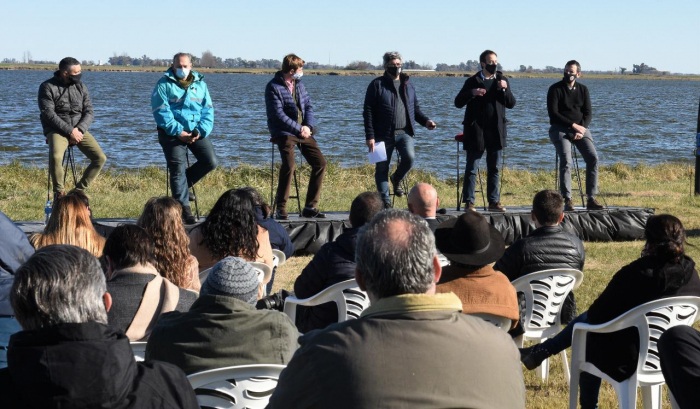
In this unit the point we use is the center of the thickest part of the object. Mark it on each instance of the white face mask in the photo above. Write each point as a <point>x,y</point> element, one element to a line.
<point>297,75</point>
<point>182,73</point>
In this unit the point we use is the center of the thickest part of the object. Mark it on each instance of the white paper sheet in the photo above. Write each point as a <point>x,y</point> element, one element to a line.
<point>379,154</point>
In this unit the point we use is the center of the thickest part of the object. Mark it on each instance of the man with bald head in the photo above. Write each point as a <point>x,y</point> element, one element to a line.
<point>423,201</point>
<point>408,336</point>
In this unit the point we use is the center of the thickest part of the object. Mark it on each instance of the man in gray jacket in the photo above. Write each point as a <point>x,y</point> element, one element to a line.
<point>411,347</point>
<point>66,115</point>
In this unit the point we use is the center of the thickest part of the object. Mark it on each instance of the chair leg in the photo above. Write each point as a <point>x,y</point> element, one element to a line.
<point>651,397</point>
<point>519,341</point>
<point>567,372</point>
<point>674,404</point>
<point>626,393</point>
<point>543,370</point>
<point>573,386</point>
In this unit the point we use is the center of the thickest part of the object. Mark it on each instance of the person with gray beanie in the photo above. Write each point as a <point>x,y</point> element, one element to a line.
<point>223,327</point>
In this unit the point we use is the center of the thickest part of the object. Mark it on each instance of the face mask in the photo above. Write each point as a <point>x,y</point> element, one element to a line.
<point>393,71</point>
<point>569,78</point>
<point>490,68</point>
<point>75,79</point>
<point>182,73</point>
<point>297,75</point>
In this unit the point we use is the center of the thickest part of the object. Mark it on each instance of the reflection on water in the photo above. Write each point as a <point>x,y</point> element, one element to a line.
<point>633,121</point>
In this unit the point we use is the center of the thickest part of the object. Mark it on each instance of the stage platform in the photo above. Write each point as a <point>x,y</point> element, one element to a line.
<point>308,235</point>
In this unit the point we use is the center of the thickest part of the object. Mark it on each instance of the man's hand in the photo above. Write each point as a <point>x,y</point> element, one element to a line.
<point>186,137</point>
<point>578,128</point>
<point>370,144</point>
<point>305,132</point>
<point>431,125</point>
<point>75,137</point>
<point>503,84</point>
<point>578,136</point>
<point>478,92</point>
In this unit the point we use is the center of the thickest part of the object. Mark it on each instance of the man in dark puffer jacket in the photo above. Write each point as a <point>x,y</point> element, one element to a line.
<point>547,247</point>
<point>333,263</point>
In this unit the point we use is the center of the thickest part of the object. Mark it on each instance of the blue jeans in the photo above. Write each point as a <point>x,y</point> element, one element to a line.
<point>182,177</point>
<point>403,143</point>
<point>588,153</point>
<point>493,193</point>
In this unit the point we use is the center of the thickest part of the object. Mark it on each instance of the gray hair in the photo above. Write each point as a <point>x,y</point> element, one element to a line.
<point>391,55</point>
<point>178,55</point>
<point>59,284</point>
<point>395,254</point>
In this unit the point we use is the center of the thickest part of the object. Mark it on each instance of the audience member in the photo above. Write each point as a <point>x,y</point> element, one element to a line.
<point>423,201</point>
<point>231,229</point>
<point>411,347</point>
<point>548,247</point>
<point>139,294</point>
<point>103,229</point>
<point>662,271</point>
<point>223,328</point>
<point>70,224</point>
<point>66,356</point>
<point>679,350</point>
<point>472,244</point>
<point>334,262</point>
<point>162,220</point>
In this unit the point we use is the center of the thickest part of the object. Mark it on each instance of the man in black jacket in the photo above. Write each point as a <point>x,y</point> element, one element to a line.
<point>569,108</point>
<point>333,263</point>
<point>486,94</point>
<point>66,356</point>
<point>390,112</point>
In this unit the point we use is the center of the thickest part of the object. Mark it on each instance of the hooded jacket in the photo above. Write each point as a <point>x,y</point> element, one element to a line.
<point>177,109</point>
<point>64,106</point>
<point>282,111</point>
<point>14,251</point>
<point>89,365</point>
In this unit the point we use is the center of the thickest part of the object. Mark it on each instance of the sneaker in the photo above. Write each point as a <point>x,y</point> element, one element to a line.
<point>469,206</point>
<point>187,216</point>
<point>497,207</point>
<point>281,214</point>
<point>312,213</point>
<point>398,190</point>
<point>533,356</point>
<point>593,204</point>
<point>568,205</point>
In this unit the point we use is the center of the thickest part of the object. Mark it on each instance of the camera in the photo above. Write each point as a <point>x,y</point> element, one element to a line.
<point>273,301</point>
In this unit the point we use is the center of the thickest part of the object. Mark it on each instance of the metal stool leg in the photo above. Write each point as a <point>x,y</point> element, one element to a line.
<point>69,160</point>
<point>578,174</point>
<point>273,199</point>
<point>167,180</point>
<point>459,199</point>
<point>196,205</point>
<point>481,188</point>
<point>556,171</point>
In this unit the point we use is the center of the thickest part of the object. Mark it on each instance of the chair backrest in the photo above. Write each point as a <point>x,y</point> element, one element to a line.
<point>281,257</point>
<point>545,292</point>
<point>444,262</point>
<point>244,386</point>
<point>203,275</point>
<point>351,301</point>
<point>264,271</point>
<point>139,349</point>
<point>500,322</point>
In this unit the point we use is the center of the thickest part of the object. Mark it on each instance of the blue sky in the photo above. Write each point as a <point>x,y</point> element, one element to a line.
<point>602,35</point>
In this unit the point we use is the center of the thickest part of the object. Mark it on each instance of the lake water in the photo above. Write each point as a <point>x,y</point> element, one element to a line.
<point>633,120</point>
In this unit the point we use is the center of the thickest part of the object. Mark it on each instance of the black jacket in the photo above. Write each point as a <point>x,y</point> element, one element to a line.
<point>15,249</point>
<point>333,263</point>
<point>279,238</point>
<point>64,107</point>
<point>475,117</point>
<point>379,108</point>
<point>646,279</point>
<point>567,107</point>
<point>87,365</point>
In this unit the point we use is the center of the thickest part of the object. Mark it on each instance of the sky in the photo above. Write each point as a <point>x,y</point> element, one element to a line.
<point>601,35</point>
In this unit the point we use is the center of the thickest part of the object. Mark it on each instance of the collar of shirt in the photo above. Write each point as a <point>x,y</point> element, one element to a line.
<point>483,77</point>
<point>290,85</point>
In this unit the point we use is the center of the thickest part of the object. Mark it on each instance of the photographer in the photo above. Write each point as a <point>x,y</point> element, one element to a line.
<point>223,327</point>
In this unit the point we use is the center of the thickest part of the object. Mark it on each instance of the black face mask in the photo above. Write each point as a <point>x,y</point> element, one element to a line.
<point>490,68</point>
<point>75,79</point>
<point>569,78</point>
<point>393,71</point>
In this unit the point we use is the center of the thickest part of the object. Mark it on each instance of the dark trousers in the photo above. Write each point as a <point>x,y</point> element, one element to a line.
<point>679,348</point>
<point>587,149</point>
<point>311,152</point>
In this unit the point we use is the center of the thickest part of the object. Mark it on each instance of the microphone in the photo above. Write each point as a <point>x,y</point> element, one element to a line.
<point>499,78</point>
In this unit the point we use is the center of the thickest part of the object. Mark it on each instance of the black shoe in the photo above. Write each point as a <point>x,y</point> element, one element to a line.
<point>388,205</point>
<point>398,190</point>
<point>312,213</point>
<point>593,204</point>
<point>281,214</point>
<point>568,205</point>
<point>192,197</point>
<point>533,356</point>
<point>187,216</point>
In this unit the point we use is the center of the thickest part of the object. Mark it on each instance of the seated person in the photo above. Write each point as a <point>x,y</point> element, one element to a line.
<point>333,262</point>
<point>662,271</point>
<point>231,229</point>
<point>679,350</point>
<point>472,244</point>
<point>423,201</point>
<point>103,229</point>
<point>548,247</point>
<point>66,356</point>
<point>223,327</point>
<point>139,294</point>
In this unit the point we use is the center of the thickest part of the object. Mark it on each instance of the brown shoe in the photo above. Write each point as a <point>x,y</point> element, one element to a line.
<point>593,204</point>
<point>496,207</point>
<point>281,214</point>
<point>469,206</point>
<point>568,205</point>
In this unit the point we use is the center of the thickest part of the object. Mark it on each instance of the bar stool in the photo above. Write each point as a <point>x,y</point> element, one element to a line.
<point>460,138</point>
<point>577,173</point>
<point>272,179</point>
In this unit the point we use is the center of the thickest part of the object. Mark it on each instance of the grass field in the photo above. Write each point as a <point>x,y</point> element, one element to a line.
<point>666,188</point>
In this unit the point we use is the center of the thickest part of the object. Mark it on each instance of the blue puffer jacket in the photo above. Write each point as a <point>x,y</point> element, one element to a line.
<point>380,108</point>
<point>282,110</point>
<point>177,109</point>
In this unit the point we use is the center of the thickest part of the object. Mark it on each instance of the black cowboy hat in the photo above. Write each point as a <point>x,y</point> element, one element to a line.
<point>469,239</point>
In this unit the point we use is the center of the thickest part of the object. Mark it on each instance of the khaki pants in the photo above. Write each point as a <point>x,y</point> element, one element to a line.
<point>88,146</point>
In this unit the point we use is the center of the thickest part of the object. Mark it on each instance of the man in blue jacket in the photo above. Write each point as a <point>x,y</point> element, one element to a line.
<point>390,112</point>
<point>290,119</point>
<point>184,114</point>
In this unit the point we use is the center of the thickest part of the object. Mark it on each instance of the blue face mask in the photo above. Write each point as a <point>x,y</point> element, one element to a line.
<point>182,73</point>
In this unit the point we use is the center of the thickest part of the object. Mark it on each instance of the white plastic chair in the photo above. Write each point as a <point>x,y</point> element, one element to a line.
<point>281,257</point>
<point>264,273</point>
<point>444,262</point>
<point>545,292</point>
<point>651,319</point>
<point>203,275</point>
<point>139,349</point>
<point>347,295</point>
<point>233,387</point>
<point>500,322</point>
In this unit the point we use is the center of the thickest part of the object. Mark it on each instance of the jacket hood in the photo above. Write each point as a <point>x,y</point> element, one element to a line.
<point>87,365</point>
<point>669,276</point>
<point>171,75</point>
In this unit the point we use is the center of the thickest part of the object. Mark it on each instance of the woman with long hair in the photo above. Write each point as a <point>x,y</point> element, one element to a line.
<point>70,224</point>
<point>162,219</point>
<point>662,271</point>
<point>231,229</point>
